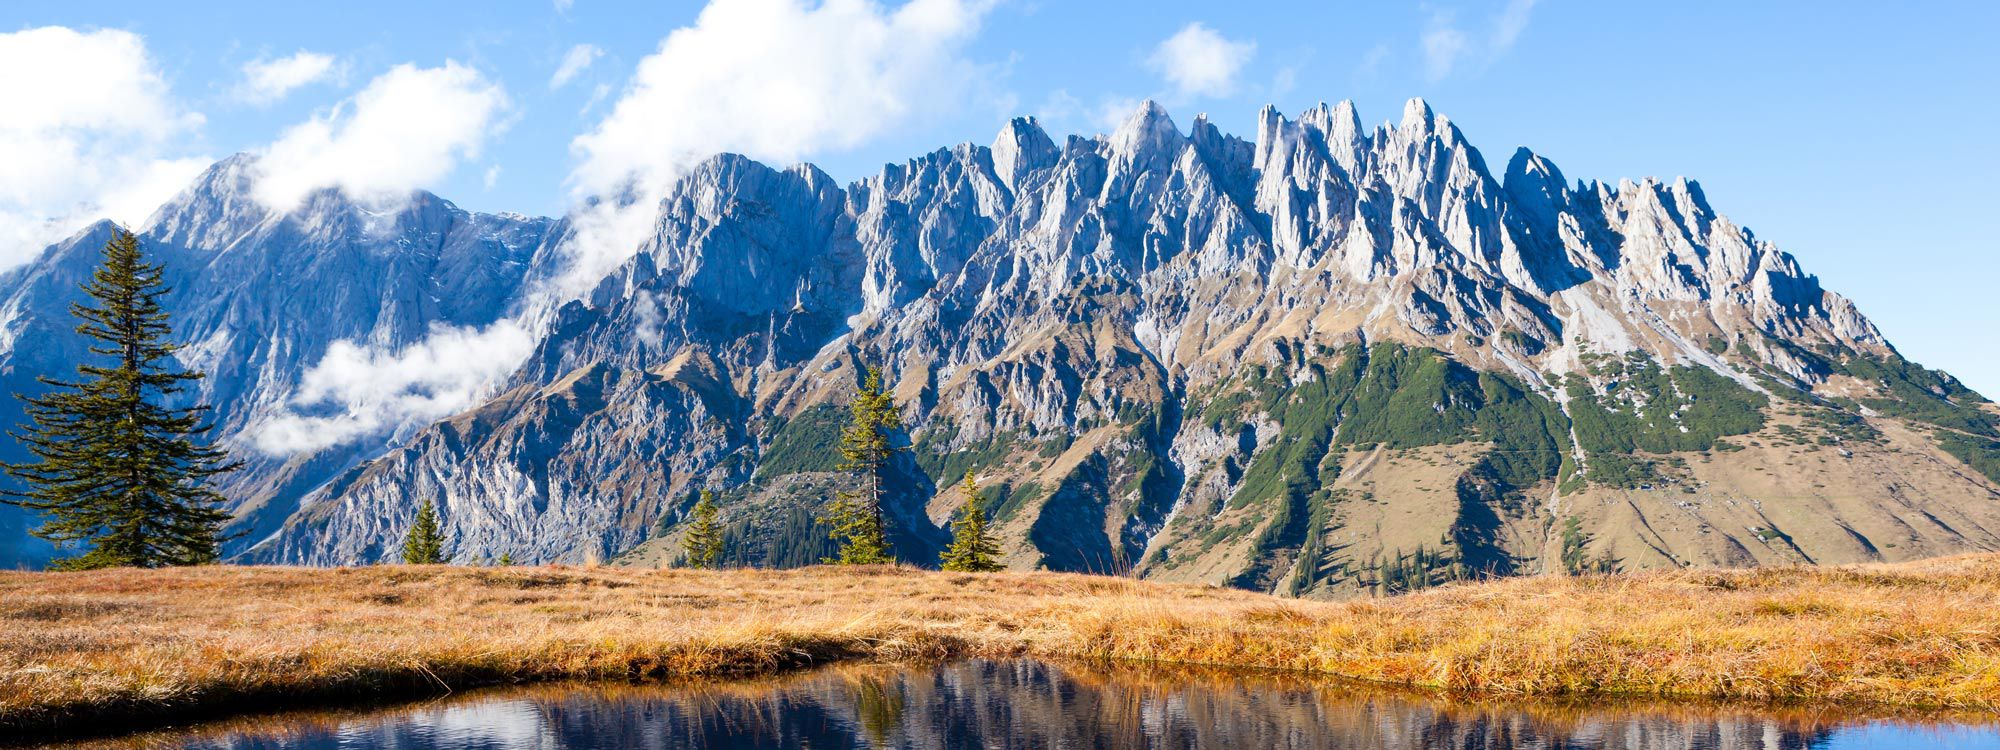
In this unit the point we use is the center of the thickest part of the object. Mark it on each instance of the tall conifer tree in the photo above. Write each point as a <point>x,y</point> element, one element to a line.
<point>972,549</point>
<point>118,472</point>
<point>702,546</point>
<point>425,544</point>
<point>866,445</point>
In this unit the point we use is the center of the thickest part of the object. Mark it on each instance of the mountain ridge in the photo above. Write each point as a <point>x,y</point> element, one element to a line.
<point>1056,316</point>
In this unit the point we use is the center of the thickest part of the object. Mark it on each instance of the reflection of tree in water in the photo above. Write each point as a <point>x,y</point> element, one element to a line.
<point>879,708</point>
<point>1022,704</point>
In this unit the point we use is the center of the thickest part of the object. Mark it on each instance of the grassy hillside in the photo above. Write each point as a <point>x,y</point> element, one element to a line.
<point>151,645</point>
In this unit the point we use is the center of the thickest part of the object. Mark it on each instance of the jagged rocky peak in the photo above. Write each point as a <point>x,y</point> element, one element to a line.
<point>1535,183</point>
<point>732,214</point>
<point>1340,123</point>
<point>214,211</point>
<point>741,256</point>
<point>1148,125</point>
<point>1146,139</point>
<point>1021,148</point>
<point>1419,119</point>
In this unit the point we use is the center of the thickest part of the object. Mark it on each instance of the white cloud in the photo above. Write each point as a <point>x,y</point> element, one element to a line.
<point>266,81</point>
<point>776,80</point>
<point>597,96</point>
<point>356,391</point>
<point>579,58</point>
<point>563,6</point>
<point>1513,20</point>
<point>492,177</point>
<point>89,130</point>
<point>409,128</point>
<point>1200,62</point>
<point>1445,45</point>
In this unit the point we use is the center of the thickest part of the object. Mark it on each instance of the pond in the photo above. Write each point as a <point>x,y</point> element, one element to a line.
<point>1030,704</point>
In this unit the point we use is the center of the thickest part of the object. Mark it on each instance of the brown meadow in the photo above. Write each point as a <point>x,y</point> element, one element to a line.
<point>136,646</point>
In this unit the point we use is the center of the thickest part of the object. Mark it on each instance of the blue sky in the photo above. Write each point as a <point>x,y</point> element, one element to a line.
<point>1857,136</point>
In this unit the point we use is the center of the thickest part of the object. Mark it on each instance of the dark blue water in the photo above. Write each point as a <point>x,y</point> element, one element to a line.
<point>1025,704</point>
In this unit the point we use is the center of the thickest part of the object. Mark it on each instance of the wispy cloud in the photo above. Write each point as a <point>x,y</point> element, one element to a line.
<point>267,81</point>
<point>1446,47</point>
<point>1283,82</point>
<point>1200,62</point>
<point>1443,45</point>
<point>1371,63</point>
<point>1513,20</point>
<point>579,58</point>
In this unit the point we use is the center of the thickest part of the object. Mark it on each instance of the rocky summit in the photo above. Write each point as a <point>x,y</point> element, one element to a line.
<point>1322,360</point>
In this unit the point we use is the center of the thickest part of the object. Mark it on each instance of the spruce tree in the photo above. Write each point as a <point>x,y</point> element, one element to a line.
<point>118,472</point>
<point>702,546</point>
<point>425,544</point>
<point>972,549</point>
<point>866,445</point>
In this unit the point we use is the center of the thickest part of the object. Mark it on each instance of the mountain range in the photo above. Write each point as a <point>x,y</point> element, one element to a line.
<point>1324,359</point>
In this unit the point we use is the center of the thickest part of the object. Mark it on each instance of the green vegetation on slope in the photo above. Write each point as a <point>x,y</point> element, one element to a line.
<point>1644,407</point>
<point>1393,397</point>
<point>942,463</point>
<point>795,541</point>
<point>1916,393</point>
<point>807,442</point>
<point>1923,395</point>
<point>1983,454</point>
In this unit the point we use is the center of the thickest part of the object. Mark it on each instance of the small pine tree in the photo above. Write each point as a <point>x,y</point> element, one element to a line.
<point>506,559</point>
<point>425,544</point>
<point>118,472</point>
<point>972,549</point>
<point>702,546</point>
<point>858,531</point>
<point>866,445</point>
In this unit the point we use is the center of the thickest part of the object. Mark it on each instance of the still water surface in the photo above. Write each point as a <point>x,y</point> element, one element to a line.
<point>1027,704</point>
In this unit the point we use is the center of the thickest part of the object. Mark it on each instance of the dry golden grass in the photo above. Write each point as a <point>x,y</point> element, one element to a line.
<point>126,644</point>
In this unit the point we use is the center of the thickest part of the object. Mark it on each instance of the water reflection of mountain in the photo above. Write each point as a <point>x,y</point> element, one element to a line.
<point>1023,704</point>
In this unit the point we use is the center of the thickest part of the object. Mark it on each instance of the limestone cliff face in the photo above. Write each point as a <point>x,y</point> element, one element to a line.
<point>1326,359</point>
